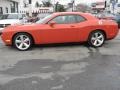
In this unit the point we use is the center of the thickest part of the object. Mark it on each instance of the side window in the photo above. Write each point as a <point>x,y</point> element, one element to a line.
<point>23,15</point>
<point>60,19</point>
<point>6,9</point>
<point>67,19</point>
<point>71,19</point>
<point>80,18</point>
<point>19,16</point>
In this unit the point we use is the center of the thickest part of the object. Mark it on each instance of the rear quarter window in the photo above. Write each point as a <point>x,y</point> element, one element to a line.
<point>80,18</point>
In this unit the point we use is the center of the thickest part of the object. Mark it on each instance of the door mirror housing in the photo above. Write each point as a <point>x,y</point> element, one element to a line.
<point>52,23</point>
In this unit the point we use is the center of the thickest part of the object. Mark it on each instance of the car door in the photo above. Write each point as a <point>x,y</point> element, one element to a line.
<point>64,30</point>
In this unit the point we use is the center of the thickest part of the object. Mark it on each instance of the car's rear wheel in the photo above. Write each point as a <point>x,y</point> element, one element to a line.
<point>96,39</point>
<point>22,41</point>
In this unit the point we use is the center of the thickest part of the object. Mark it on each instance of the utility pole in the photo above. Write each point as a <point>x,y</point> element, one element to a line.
<point>56,7</point>
<point>113,6</point>
<point>105,4</point>
<point>55,4</point>
<point>30,7</point>
<point>73,5</point>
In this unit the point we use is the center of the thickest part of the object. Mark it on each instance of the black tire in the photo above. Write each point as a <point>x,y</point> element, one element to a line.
<point>91,36</point>
<point>26,35</point>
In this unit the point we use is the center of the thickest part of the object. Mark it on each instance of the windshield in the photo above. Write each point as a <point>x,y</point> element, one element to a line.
<point>9,16</point>
<point>42,21</point>
<point>43,15</point>
<point>118,5</point>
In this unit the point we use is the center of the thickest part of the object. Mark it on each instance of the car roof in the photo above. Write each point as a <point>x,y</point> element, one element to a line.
<point>86,15</point>
<point>65,13</point>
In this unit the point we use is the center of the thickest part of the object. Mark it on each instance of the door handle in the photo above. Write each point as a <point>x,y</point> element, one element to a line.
<point>72,26</point>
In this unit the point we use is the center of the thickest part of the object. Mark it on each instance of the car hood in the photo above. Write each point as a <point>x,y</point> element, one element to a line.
<point>9,21</point>
<point>24,27</point>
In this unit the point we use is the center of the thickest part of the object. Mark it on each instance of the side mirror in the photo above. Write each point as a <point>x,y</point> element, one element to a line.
<point>52,23</point>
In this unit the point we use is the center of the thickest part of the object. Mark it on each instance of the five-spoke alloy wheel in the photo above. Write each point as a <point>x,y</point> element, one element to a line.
<point>22,41</point>
<point>96,39</point>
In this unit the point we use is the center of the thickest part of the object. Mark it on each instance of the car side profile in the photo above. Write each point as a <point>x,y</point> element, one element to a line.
<point>61,27</point>
<point>10,19</point>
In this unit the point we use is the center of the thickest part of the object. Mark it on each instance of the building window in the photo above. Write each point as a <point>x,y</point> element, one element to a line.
<point>1,10</point>
<point>13,7</point>
<point>6,9</point>
<point>115,1</point>
<point>25,3</point>
<point>16,7</point>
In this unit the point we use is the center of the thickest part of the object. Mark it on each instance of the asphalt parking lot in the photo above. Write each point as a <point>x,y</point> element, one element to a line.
<point>63,67</point>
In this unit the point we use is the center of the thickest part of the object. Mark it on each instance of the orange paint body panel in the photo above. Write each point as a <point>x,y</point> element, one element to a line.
<point>61,33</point>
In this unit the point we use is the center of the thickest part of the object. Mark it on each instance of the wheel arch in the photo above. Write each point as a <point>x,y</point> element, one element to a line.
<point>103,31</point>
<point>24,33</point>
<point>90,35</point>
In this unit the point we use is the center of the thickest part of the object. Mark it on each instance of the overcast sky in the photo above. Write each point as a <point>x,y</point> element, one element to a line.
<point>77,1</point>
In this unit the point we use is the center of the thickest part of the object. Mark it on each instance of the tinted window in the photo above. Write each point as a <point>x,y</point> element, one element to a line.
<point>118,5</point>
<point>67,19</point>
<point>20,16</point>
<point>80,18</point>
<point>12,16</point>
<point>23,15</point>
<point>71,19</point>
<point>42,21</point>
<point>60,19</point>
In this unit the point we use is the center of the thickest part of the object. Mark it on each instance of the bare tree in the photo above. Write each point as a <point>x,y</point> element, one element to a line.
<point>47,3</point>
<point>83,8</point>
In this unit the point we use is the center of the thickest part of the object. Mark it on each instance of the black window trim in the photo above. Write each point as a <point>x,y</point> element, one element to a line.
<point>67,15</point>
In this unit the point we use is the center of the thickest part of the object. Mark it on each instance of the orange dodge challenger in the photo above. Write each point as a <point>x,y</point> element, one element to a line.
<point>61,27</point>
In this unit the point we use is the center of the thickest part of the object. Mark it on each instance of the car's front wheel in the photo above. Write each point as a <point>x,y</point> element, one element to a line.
<point>96,39</point>
<point>22,41</point>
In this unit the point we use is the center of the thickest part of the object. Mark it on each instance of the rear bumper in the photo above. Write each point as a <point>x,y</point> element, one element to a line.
<point>114,35</point>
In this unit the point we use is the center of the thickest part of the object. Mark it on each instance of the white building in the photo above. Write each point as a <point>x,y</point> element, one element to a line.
<point>113,6</point>
<point>8,6</point>
<point>36,7</point>
<point>98,6</point>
